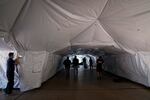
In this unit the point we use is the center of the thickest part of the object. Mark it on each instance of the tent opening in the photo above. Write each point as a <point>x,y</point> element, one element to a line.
<point>3,69</point>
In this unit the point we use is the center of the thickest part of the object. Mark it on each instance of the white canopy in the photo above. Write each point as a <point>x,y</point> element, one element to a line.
<point>39,28</point>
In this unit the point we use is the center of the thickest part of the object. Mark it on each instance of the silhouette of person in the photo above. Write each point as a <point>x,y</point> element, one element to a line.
<point>10,73</point>
<point>84,63</point>
<point>67,64</point>
<point>91,63</point>
<point>75,65</point>
<point>99,62</point>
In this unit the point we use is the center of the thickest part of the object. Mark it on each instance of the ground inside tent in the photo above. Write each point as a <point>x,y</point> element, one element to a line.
<point>85,86</point>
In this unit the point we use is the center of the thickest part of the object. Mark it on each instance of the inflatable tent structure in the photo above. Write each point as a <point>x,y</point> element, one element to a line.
<point>43,31</point>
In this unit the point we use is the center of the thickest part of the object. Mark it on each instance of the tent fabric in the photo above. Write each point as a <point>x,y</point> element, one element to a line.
<point>128,23</point>
<point>9,11</point>
<point>39,28</point>
<point>5,48</point>
<point>133,67</point>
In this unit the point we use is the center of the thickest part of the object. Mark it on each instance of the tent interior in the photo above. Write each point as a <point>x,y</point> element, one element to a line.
<point>44,32</point>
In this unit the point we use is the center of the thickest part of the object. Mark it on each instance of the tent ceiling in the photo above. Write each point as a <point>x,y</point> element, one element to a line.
<point>127,22</point>
<point>85,49</point>
<point>56,24</point>
<point>9,11</point>
<point>41,28</point>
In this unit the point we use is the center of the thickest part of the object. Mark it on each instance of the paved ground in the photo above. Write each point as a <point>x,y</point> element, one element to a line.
<point>84,87</point>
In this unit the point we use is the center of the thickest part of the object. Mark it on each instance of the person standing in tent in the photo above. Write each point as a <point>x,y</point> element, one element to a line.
<point>84,63</point>
<point>67,64</point>
<point>99,62</point>
<point>91,63</point>
<point>10,73</point>
<point>75,65</point>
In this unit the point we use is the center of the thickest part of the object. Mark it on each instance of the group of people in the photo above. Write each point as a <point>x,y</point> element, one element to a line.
<point>12,66</point>
<point>75,64</point>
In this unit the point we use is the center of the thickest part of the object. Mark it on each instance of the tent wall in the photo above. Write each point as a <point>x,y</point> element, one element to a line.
<point>5,48</point>
<point>3,68</point>
<point>37,67</point>
<point>134,67</point>
<point>52,65</point>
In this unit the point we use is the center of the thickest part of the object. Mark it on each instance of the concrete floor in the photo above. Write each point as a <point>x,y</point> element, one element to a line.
<point>85,87</point>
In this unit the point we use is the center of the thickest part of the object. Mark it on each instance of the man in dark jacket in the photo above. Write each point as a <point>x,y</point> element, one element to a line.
<point>75,65</point>
<point>67,64</point>
<point>10,73</point>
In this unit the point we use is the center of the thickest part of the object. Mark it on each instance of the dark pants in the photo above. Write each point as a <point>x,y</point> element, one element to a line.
<point>10,83</point>
<point>76,70</point>
<point>67,72</point>
<point>91,66</point>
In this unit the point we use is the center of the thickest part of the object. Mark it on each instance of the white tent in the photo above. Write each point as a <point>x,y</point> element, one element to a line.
<point>40,28</point>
